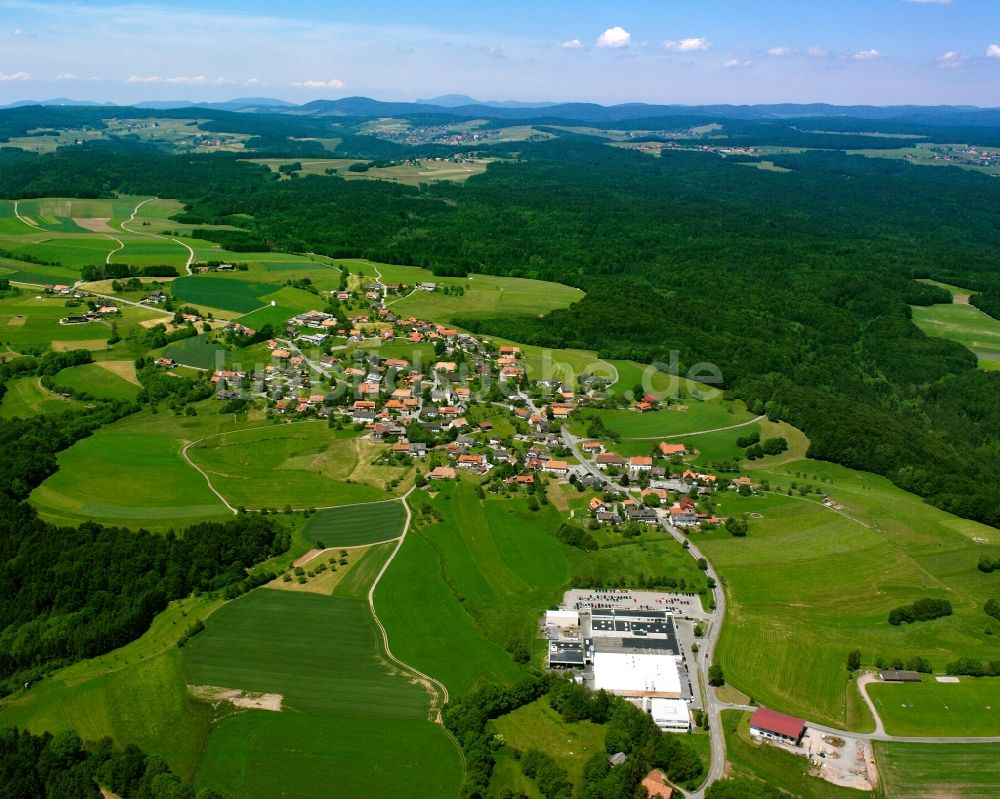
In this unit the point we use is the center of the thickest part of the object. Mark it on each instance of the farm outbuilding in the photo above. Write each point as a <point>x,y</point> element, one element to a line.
<point>777,726</point>
<point>898,675</point>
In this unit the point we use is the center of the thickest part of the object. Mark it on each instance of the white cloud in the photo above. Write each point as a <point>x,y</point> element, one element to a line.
<point>866,55</point>
<point>735,63</point>
<point>572,44</point>
<point>334,83</point>
<point>184,80</point>
<point>614,37</point>
<point>147,79</point>
<point>7,77</point>
<point>818,52</point>
<point>692,45</point>
<point>993,51</point>
<point>951,59</point>
<point>780,51</point>
<point>252,81</point>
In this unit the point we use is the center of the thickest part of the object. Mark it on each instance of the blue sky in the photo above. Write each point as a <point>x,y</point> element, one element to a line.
<point>669,51</point>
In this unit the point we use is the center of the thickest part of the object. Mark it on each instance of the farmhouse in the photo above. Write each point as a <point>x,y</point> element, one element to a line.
<point>775,726</point>
<point>558,468</point>
<point>672,450</point>
<point>607,459</point>
<point>656,786</point>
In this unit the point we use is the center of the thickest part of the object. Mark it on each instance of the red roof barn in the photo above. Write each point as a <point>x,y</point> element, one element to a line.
<point>777,726</point>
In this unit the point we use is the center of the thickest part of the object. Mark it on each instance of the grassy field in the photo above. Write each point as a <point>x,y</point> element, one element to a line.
<point>809,584</point>
<point>127,478</point>
<point>304,464</point>
<point>486,295</point>
<point>425,171</point>
<point>98,380</point>
<point>344,710</point>
<point>356,524</point>
<point>969,708</point>
<point>934,771</point>
<point>25,397</point>
<point>220,292</point>
<point>774,766</point>
<point>538,726</point>
<point>965,324</point>
<point>671,420</point>
<point>135,694</point>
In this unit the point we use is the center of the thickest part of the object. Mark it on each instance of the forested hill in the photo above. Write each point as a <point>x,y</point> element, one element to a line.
<point>796,283</point>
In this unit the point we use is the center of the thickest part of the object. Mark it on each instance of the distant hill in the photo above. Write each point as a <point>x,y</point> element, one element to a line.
<point>458,100</point>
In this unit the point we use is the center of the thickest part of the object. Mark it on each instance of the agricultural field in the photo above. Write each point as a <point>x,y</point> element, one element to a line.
<point>103,380</point>
<point>672,420</point>
<point>341,704</point>
<point>931,771</point>
<point>965,324</point>
<point>423,171</point>
<point>790,625</point>
<point>126,478</point>
<point>775,766</point>
<point>353,525</point>
<point>220,292</point>
<point>968,708</point>
<point>485,295</point>
<point>304,465</point>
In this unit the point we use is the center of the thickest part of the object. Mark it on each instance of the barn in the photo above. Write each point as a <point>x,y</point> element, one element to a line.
<point>777,726</point>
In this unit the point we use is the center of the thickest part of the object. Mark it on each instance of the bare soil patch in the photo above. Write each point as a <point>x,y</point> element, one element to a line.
<point>97,224</point>
<point>245,699</point>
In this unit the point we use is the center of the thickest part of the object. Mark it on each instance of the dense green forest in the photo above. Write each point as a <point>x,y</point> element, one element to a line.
<point>61,767</point>
<point>796,284</point>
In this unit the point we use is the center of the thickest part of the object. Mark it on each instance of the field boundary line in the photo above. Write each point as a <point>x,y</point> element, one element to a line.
<point>819,504</point>
<point>203,473</point>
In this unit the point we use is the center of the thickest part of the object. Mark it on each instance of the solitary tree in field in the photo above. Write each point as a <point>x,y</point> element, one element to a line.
<point>854,660</point>
<point>716,676</point>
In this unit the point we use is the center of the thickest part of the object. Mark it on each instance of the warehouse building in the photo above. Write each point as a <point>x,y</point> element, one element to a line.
<point>637,675</point>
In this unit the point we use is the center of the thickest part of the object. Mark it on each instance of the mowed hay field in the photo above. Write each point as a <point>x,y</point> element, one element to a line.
<point>936,771</point>
<point>350,725</point>
<point>220,292</point>
<point>968,708</point>
<point>965,324</point>
<point>304,464</point>
<point>354,525</point>
<point>809,584</point>
<point>26,397</point>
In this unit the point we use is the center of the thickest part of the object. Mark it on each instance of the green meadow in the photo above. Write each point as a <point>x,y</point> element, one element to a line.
<point>349,722</point>
<point>968,708</point>
<point>354,525</point>
<point>96,380</point>
<point>303,464</point>
<point>221,292</point>
<point>965,324</point>
<point>692,416</point>
<point>933,771</point>
<point>538,726</point>
<point>809,584</point>
<point>25,397</point>
<point>127,478</point>
<point>485,295</point>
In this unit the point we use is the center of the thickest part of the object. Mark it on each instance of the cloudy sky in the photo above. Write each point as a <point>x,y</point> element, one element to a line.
<point>663,51</point>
